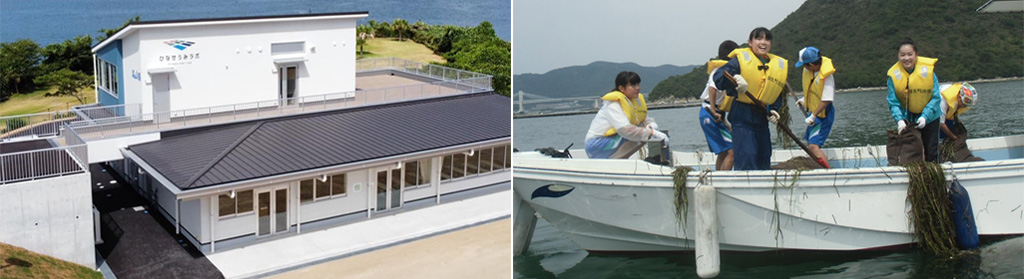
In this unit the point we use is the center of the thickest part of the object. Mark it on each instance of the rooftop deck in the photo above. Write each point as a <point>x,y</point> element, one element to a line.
<point>378,81</point>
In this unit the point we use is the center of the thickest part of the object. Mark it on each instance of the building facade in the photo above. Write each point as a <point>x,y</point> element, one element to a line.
<point>186,64</point>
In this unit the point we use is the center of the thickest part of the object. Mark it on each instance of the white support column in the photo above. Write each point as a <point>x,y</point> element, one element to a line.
<point>213,224</point>
<point>369,192</point>
<point>435,172</point>
<point>298,210</point>
<point>177,216</point>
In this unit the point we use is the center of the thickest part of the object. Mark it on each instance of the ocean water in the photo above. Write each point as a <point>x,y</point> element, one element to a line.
<point>51,21</point>
<point>861,119</point>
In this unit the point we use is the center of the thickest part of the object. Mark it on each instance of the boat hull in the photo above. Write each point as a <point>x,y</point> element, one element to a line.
<point>627,205</point>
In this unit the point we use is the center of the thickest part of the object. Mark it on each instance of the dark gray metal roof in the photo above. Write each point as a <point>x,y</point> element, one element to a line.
<point>197,158</point>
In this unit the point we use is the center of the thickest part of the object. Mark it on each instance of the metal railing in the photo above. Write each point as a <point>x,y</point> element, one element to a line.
<point>42,124</point>
<point>422,69</point>
<point>154,122</point>
<point>96,112</point>
<point>72,157</point>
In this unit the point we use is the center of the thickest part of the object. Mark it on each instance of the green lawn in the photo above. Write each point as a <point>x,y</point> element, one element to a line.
<point>392,47</point>
<point>37,101</point>
<point>16,262</point>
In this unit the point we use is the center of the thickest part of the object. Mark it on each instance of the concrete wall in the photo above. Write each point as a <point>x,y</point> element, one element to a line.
<point>232,63</point>
<point>50,216</point>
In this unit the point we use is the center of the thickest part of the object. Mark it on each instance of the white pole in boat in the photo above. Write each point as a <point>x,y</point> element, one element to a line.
<point>707,253</point>
<point>524,219</point>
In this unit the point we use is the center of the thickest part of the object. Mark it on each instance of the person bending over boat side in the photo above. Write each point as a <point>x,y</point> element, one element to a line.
<point>819,89</point>
<point>914,96</point>
<point>958,98</point>
<point>622,124</point>
<point>712,119</point>
<point>752,145</point>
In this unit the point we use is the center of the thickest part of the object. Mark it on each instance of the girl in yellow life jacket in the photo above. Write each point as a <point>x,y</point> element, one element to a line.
<point>622,122</point>
<point>914,96</point>
<point>957,99</point>
<point>763,75</point>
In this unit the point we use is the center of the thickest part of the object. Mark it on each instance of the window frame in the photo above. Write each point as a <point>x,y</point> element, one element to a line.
<point>238,195</point>
<point>328,184</point>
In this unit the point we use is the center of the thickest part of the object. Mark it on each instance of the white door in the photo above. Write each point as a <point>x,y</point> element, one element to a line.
<point>389,189</point>
<point>287,82</point>
<point>162,97</point>
<point>271,211</point>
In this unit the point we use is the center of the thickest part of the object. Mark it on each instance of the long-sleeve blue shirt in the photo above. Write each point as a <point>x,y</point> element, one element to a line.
<point>931,112</point>
<point>733,68</point>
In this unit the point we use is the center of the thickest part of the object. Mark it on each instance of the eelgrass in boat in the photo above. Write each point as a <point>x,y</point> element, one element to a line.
<point>681,200</point>
<point>931,208</point>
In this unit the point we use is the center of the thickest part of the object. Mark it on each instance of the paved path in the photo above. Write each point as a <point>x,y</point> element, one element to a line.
<point>482,251</point>
<point>338,242</point>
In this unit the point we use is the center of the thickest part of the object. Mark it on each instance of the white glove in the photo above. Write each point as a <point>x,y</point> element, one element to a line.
<point>658,136</point>
<point>900,126</point>
<point>800,103</point>
<point>773,116</point>
<point>921,122</point>
<point>652,126</point>
<point>810,120</point>
<point>741,84</point>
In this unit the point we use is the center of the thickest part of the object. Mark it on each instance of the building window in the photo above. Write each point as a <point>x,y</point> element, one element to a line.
<point>287,48</point>
<point>499,157</point>
<point>241,204</point>
<point>483,160</point>
<point>417,173</point>
<point>322,188</point>
<point>106,74</point>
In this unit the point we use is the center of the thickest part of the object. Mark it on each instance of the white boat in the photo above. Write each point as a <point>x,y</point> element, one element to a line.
<point>627,204</point>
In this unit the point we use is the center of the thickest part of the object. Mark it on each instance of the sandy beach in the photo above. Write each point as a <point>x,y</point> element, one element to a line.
<point>482,251</point>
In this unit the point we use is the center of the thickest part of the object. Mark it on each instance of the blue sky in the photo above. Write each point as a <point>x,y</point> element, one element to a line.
<point>547,35</point>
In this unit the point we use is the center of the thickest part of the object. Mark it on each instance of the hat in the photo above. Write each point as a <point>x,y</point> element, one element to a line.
<point>807,56</point>
<point>968,95</point>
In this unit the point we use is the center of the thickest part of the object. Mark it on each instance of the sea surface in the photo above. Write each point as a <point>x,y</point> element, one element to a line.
<point>861,119</point>
<point>52,21</point>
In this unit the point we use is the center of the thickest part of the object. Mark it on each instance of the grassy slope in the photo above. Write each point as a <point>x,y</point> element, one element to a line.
<point>16,262</point>
<point>36,101</point>
<point>392,47</point>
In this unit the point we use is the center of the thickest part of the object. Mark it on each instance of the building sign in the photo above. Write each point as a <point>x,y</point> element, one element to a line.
<point>185,53</point>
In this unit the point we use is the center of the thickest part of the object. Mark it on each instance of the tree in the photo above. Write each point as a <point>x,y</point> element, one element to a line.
<point>110,32</point>
<point>68,83</point>
<point>18,64</point>
<point>74,54</point>
<point>363,32</point>
<point>401,28</point>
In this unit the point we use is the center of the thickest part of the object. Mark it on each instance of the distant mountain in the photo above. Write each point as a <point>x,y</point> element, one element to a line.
<point>861,38</point>
<point>594,79</point>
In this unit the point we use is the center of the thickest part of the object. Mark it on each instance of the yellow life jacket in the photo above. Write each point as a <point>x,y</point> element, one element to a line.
<point>914,90</point>
<point>951,95</point>
<point>727,100</point>
<point>765,85</point>
<point>714,64</point>
<point>815,85</point>
<point>636,113</point>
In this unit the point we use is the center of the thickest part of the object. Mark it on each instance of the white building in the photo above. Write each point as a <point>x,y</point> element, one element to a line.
<point>185,64</point>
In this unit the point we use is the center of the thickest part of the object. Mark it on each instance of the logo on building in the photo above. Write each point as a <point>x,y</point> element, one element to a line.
<point>179,44</point>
